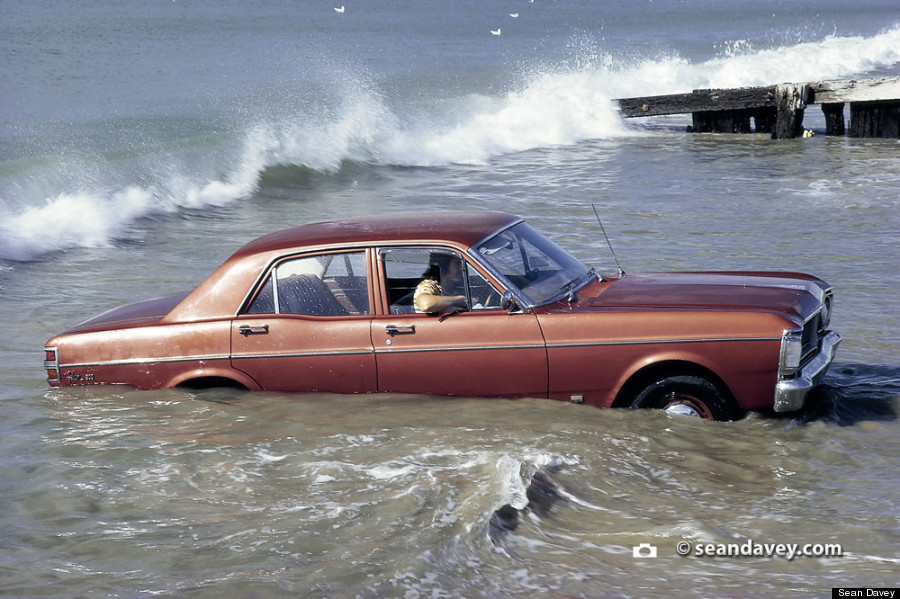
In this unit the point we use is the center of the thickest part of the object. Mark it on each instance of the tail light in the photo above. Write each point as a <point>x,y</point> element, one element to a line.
<point>51,364</point>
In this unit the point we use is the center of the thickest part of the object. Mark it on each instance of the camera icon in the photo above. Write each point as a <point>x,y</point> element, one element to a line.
<point>644,550</point>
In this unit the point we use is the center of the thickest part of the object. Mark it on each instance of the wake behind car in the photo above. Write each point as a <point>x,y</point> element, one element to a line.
<point>335,307</point>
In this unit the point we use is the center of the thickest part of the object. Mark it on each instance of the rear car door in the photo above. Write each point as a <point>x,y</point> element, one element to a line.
<point>308,326</point>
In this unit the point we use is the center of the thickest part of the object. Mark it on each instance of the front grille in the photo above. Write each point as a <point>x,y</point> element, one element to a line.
<point>811,333</point>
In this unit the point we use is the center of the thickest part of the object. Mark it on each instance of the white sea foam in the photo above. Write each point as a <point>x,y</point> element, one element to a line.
<point>552,107</point>
<point>79,219</point>
<point>831,58</point>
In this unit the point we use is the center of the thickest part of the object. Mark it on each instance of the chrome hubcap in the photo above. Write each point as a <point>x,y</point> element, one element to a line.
<point>683,409</point>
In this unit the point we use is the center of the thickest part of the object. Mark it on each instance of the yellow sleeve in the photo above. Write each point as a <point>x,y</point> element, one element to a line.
<point>427,286</point>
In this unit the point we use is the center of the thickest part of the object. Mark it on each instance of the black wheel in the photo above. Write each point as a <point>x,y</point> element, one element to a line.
<point>688,395</point>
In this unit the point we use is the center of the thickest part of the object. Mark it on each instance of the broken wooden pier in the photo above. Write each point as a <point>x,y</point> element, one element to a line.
<point>778,109</point>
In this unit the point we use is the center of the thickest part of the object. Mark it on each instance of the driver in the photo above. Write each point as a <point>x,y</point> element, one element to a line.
<point>441,287</point>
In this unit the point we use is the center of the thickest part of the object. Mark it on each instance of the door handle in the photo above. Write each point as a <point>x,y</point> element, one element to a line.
<point>393,329</point>
<point>246,330</point>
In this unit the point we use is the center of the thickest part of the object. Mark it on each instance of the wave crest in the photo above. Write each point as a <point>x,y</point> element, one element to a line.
<point>349,120</point>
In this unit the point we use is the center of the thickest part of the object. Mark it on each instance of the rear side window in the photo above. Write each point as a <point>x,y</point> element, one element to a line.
<point>320,285</point>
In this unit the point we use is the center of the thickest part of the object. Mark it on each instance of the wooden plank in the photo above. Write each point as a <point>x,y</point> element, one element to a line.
<point>701,100</point>
<point>855,90</point>
<point>656,105</point>
<point>710,100</point>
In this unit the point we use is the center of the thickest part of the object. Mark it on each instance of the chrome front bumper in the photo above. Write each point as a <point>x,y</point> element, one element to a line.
<point>790,394</point>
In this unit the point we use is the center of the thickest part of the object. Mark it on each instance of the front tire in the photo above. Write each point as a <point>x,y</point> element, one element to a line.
<point>687,395</point>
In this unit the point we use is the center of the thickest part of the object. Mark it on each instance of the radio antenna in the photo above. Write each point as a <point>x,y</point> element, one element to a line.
<point>605,236</point>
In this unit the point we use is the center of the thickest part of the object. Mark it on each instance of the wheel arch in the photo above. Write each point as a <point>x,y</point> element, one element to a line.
<point>205,378</point>
<point>660,370</point>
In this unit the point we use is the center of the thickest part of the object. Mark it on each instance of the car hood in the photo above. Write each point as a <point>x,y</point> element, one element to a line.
<point>793,297</point>
<point>130,315</point>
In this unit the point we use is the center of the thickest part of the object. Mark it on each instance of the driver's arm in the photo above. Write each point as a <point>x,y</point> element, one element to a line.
<point>428,300</point>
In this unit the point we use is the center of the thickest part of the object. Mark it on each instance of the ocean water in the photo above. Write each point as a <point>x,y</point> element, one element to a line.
<point>142,143</point>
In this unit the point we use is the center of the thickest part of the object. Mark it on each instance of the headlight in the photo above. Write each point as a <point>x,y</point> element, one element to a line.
<point>827,307</point>
<point>791,351</point>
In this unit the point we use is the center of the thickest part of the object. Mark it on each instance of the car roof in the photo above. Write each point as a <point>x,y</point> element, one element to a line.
<point>462,228</point>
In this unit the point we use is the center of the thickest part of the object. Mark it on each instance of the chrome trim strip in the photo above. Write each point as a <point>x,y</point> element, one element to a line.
<point>391,350</point>
<point>146,361</point>
<point>567,345</point>
<point>275,298</point>
<point>303,354</point>
<point>215,358</point>
<point>660,341</point>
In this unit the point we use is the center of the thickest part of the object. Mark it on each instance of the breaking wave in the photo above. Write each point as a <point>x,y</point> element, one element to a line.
<point>555,105</point>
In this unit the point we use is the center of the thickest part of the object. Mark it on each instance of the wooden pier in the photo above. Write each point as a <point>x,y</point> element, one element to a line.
<point>778,109</point>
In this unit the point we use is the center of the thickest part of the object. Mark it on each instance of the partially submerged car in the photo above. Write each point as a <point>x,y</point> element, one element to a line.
<point>330,307</point>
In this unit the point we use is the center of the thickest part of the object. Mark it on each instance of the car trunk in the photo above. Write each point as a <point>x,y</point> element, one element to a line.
<point>130,315</point>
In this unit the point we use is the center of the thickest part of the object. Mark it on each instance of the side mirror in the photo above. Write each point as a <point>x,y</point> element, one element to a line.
<point>508,302</point>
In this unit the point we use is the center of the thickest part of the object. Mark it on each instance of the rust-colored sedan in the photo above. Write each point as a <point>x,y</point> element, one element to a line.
<point>337,306</point>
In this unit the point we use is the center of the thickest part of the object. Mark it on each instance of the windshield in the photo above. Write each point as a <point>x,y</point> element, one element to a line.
<point>539,268</point>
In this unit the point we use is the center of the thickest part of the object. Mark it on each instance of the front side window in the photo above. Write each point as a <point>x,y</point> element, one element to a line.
<point>538,267</point>
<point>406,269</point>
<point>320,285</point>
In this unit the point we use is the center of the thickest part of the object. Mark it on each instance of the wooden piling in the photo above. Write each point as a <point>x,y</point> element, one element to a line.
<point>764,119</point>
<point>874,105</point>
<point>875,119</point>
<point>721,121</point>
<point>791,103</point>
<point>834,118</point>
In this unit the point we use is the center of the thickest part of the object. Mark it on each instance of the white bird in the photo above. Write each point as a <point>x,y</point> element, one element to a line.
<point>495,32</point>
<point>341,9</point>
<point>514,15</point>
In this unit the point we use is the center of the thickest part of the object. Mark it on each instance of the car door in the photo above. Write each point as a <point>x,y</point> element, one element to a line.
<point>308,326</point>
<point>481,351</point>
